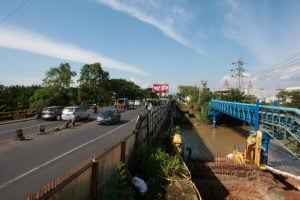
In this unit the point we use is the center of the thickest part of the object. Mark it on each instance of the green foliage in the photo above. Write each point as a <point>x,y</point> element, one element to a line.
<point>94,84</point>
<point>45,97</point>
<point>57,88</point>
<point>147,93</point>
<point>16,97</point>
<point>185,91</point>
<point>95,87</point>
<point>59,77</point>
<point>123,88</point>
<point>116,187</point>
<point>236,96</point>
<point>155,163</point>
<point>289,98</point>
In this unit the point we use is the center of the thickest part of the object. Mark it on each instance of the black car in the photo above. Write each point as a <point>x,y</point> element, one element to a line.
<point>52,112</point>
<point>110,116</point>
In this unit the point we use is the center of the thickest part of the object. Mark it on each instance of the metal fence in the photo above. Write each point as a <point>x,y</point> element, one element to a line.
<point>85,180</point>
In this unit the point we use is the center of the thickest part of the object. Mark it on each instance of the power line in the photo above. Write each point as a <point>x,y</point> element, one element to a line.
<point>275,71</point>
<point>14,11</point>
<point>282,64</point>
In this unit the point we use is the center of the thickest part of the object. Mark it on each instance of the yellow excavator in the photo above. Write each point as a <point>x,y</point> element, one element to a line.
<point>254,152</point>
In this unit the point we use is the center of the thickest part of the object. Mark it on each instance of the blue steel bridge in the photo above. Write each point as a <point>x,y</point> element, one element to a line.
<point>279,123</point>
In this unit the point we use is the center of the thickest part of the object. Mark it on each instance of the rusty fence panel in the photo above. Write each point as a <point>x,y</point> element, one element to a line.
<point>84,181</point>
<point>72,185</point>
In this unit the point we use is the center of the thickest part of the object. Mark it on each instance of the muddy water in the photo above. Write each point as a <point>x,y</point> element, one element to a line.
<point>219,142</point>
<point>204,140</point>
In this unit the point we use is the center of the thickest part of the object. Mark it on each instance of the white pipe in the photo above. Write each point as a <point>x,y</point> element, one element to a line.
<point>277,171</point>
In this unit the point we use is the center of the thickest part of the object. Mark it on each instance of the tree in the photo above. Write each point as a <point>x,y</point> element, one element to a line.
<point>56,88</point>
<point>147,93</point>
<point>59,77</point>
<point>289,98</point>
<point>16,97</point>
<point>94,84</point>
<point>193,92</point>
<point>44,97</point>
<point>236,95</point>
<point>123,88</point>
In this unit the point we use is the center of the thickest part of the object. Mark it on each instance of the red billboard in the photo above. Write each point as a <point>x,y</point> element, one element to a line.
<point>160,88</point>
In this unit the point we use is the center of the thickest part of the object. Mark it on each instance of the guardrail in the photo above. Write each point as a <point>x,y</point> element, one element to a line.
<point>20,114</point>
<point>85,180</point>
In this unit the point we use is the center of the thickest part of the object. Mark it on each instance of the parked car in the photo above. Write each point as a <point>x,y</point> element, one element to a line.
<point>75,112</point>
<point>52,112</point>
<point>109,116</point>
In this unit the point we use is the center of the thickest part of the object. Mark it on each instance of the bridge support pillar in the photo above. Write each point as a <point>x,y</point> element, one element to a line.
<point>265,148</point>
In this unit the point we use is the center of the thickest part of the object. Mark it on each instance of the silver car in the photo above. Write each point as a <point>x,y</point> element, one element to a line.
<point>75,113</point>
<point>109,116</point>
<point>52,112</point>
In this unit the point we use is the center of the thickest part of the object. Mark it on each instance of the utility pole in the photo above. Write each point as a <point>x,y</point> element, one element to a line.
<point>203,86</point>
<point>239,73</point>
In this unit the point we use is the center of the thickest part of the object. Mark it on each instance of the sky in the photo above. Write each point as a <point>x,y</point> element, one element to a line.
<point>154,41</point>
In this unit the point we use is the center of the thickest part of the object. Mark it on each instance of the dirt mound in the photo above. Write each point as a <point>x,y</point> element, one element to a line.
<point>222,179</point>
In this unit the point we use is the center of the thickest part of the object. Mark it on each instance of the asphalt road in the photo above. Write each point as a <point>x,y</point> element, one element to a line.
<point>27,165</point>
<point>31,127</point>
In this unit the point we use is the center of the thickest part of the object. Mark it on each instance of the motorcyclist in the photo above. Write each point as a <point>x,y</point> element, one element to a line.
<point>95,108</point>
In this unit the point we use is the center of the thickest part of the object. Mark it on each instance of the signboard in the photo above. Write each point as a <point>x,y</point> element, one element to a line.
<point>160,88</point>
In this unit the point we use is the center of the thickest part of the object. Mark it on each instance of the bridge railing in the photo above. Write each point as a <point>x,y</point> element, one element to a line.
<point>242,111</point>
<point>281,123</point>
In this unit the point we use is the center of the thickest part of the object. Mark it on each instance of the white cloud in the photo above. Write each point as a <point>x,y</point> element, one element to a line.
<point>226,82</point>
<point>140,83</point>
<point>21,39</point>
<point>271,37</point>
<point>171,20</point>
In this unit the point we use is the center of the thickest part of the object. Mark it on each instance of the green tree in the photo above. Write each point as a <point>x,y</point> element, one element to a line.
<point>289,98</point>
<point>56,88</point>
<point>123,88</point>
<point>94,84</point>
<point>46,96</point>
<point>191,91</point>
<point>147,93</point>
<point>16,97</point>
<point>59,77</point>
<point>235,96</point>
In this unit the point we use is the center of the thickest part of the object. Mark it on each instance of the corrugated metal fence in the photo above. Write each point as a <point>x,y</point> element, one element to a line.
<point>85,180</point>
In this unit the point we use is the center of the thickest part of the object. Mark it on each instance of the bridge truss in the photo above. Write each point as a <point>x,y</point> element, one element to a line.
<point>280,123</point>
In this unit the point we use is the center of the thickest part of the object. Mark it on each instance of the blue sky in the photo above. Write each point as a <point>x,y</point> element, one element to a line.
<point>153,41</point>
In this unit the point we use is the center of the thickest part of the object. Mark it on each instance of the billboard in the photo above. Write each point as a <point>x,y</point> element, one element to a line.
<point>160,88</point>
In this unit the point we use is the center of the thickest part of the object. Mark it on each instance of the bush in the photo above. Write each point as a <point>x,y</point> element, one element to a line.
<point>117,187</point>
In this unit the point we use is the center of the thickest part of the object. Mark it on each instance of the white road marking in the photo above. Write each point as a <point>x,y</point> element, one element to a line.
<point>60,156</point>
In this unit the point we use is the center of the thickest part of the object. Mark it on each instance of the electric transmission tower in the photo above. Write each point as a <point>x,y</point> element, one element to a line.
<point>239,73</point>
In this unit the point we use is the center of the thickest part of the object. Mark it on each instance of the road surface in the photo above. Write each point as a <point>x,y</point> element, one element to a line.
<point>26,166</point>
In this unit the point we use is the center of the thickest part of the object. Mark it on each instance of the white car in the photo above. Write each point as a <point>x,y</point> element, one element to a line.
<point>75,113</point>
<point>137,102</point>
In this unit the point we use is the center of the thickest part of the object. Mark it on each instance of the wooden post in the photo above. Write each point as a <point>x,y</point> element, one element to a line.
<point>94,180</point>
<point>123,151</point>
